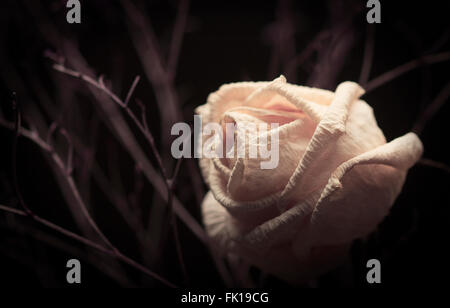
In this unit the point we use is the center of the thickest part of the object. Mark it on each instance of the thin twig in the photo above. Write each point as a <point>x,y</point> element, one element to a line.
<point>63,168</point>
<point>90,243</point>
<point>177,37</point>
<point>144,129</point>
<point>434,164</point>
<point>149,54</point>
<point>69,162</point>
<point>59,163</point>
<point>126,138</point>
<point>368,55</point>
<point>306,53</point>
<point>440,41</point>
<point>131,91</point>
<point>49,237</point>
<point>57,228</point>
<point>165,93</point>
<point>99,84</point>
<point>124,104</point>
<point>179,251</point>
<point>113,251</point>
<point>161,78</point>
<point>176,172</point>
<point>402,69</point>
<point>174,224</point>
<point>118,125</point>
<point>17,126</point>
<point>432,109</point>
<point>143,113</point>
<point>148,49</point>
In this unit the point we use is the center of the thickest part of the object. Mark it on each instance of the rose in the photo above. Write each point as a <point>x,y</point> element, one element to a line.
<point>336,180</point>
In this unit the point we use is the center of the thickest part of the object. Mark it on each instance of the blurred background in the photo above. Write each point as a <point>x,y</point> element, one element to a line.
<point>183,51</point>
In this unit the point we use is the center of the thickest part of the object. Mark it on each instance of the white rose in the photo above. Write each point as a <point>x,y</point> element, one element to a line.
<point>336,178</point>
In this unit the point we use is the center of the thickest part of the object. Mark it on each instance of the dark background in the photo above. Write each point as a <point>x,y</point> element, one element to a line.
<point>223,42</point>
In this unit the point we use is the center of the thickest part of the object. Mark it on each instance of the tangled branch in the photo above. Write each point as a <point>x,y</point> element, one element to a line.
<point>143,127</point>
<point>111,250</point>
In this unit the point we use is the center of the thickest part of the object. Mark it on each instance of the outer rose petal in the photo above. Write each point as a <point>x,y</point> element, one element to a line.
<point>360,193</point>
<point>331,127</point>
<point>361,135</point>
<point>280,260</point>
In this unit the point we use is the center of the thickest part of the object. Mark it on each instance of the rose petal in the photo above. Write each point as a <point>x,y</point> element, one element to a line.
<point>239,188</point>
<point>279,86</point>
<point>277,258</point>
<point>330,128</point>
<point>360,193</point>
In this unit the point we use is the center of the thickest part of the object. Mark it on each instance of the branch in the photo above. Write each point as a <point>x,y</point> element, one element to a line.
<point>177,37</point>
<point>118,125</point>
<point>402,69</point>
<point>113,251</point>
<point>434,164</point>
<point>148,50</point>
<point>306,53</point>
<point>124,135</point>
<point>99,84</point>
<point>368,55</point>
<point>59,163</point>
<point>143,127</point>
<point>161,78</point>
<point>53,127</point>
<point>432,109</point>
<point>17,126</point>
<point>89,243</point>
<point>173,222</point>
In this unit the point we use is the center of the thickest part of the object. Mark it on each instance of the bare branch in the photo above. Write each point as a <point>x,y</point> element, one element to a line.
<point>124,104</point>
<point>307,52</point>
<point>434,164</point>
<point>99,84</point>
<point>89,243</point>
<point>143,113</point>
<point>432,109</point>
<point>63,168</point>
<point>368,55</point>
<point>176,236</point>
<point>402,69</point>
<point>175,173</point>
<point>113,251</point>
<point>144,129</point>
<point>147,47</point>
<point>17,126</point>
<point>69,162</point>
<point>173,222</point>
<point>123,134</point>
<point>132,88</point>
<point>177,37</point>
